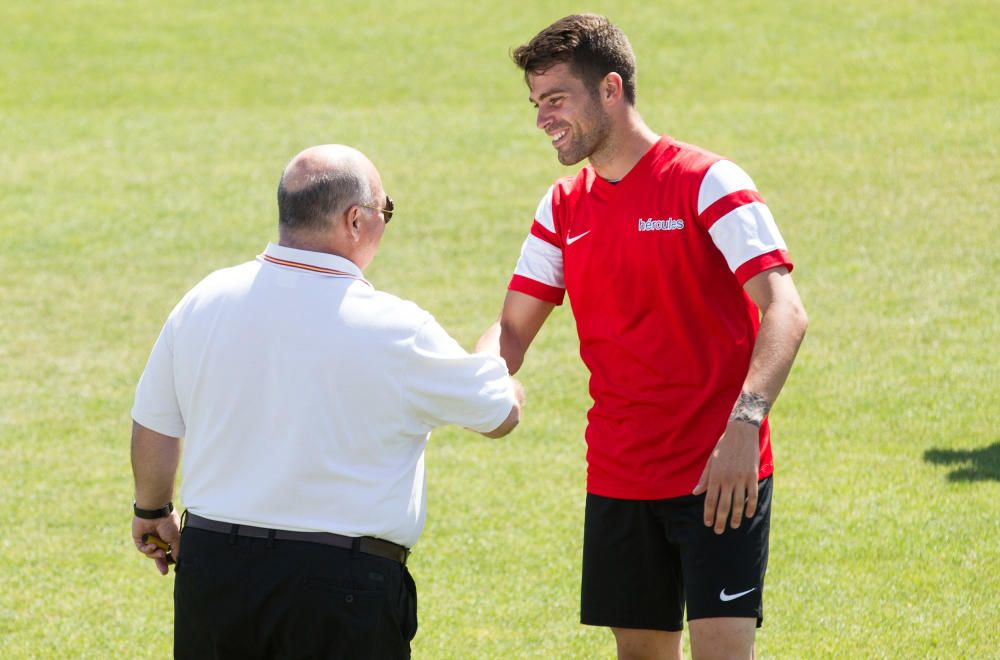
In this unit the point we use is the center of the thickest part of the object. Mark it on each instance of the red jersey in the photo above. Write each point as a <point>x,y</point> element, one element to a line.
<point>654,267</point>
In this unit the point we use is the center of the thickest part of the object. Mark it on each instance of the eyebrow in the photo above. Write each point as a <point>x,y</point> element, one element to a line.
<point>547,94</point>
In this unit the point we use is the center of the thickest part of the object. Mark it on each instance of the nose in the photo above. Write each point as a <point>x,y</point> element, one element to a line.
<point>542,118</point>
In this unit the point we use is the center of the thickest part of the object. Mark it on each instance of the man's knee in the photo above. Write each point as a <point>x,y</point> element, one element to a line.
<point>723,638</point>
<point>636,644</point>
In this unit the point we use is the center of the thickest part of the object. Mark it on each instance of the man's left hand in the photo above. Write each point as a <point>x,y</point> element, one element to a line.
<point>729,480</point>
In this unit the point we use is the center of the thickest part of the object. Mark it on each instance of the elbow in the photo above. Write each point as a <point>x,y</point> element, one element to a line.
<point>512,421</point>
<point>508,425</point>
<point>801,319</point>
<point>796,324</point>
<point>514,416</point>
<point>791,313</point>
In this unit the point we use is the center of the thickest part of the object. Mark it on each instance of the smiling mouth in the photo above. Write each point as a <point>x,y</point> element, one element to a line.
<point>558,137</point>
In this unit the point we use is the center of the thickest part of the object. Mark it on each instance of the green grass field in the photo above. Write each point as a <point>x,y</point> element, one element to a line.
<point>140,146</point>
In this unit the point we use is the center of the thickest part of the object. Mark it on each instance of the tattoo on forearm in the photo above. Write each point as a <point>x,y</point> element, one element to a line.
<point>751,408</point>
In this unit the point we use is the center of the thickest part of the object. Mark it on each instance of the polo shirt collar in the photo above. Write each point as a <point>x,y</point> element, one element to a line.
<point>320,262</point>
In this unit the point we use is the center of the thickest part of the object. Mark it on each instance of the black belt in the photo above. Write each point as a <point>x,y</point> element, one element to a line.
<point>366,544</point>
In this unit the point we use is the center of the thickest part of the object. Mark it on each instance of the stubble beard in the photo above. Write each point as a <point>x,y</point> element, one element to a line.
<point>586,144</point>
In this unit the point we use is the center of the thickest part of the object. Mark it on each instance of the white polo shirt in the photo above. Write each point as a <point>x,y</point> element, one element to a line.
<point>306,397</point>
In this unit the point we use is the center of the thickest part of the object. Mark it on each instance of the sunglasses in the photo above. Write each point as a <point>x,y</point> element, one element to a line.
<point>386,210</point>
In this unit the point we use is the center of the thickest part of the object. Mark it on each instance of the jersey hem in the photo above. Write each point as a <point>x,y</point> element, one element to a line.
<point>656,494</point>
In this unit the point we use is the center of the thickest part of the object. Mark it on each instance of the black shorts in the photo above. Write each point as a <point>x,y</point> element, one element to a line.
<point>644,560</point>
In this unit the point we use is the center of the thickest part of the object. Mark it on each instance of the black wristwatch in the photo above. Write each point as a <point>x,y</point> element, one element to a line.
<point>153,514</point>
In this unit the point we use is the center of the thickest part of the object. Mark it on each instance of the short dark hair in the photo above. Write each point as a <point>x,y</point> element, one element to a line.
<point>589,43</point>
<point>326,193</point>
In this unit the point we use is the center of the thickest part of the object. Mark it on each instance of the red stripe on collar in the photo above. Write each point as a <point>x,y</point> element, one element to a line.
<point>316,269</point>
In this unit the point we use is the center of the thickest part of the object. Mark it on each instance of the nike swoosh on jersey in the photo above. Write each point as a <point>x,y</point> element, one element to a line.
<point>725,598</point>
<point>573,239</point>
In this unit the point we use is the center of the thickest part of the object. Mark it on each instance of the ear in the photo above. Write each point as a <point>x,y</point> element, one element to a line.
<point>612,89</point>
<point>351,222</point>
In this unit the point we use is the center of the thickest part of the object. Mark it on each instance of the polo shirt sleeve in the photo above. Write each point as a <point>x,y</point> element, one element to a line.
<point>156,405</point>
<point>539,270</point>
<point>444,384</point>
<point>739,222</point>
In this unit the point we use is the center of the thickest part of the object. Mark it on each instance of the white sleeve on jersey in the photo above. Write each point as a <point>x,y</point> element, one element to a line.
<point>541,260</point>
<point>747,230</point>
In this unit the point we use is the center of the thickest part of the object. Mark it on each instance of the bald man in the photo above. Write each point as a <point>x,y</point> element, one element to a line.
<point>305,398</point>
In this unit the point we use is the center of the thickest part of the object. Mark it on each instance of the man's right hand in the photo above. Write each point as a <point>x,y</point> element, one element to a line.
<point>167,529</point>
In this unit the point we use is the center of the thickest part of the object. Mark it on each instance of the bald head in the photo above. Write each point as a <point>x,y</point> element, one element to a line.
<point>320,183</point>
<point>327,203</point>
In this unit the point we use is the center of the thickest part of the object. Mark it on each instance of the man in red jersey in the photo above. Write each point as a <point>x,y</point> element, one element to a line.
<point>688,322</point>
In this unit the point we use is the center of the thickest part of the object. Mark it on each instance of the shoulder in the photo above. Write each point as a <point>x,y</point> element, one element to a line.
<point>406,326</point>
<point>552,202</point>
<point>569,191</point>
<point>389,312</point>
<point>711,175</point>
<point>569,188</point>
<point>238,274</point>
<point>562,189</point>
<point>687,159</point>
<point>227,277</point>
<point>711,167</point>
<point>219,284</point>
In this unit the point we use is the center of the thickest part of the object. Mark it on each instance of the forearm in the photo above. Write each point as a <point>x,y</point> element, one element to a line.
<point>512,348</point>
<point>520,320</point>
<point>782,329</point>
<point>730,475</point>
<point>490,341</point>
<point>506,344</point>
<point>155,458</point>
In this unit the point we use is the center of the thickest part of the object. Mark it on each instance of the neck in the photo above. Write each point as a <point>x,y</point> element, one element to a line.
<point>626,145</point>
<point>312,243</point>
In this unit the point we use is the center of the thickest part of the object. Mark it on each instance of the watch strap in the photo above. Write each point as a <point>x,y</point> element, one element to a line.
<point>152,514</point>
